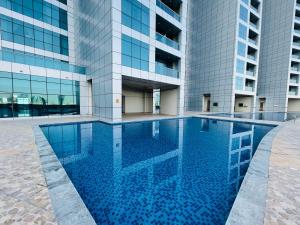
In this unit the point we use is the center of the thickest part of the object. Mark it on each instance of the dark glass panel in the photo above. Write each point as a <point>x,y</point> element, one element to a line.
<point>6,105</point>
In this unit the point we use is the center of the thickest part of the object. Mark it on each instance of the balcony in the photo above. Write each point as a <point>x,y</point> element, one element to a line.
<point>297,19</point>
<point>162,69</point>
<point>254,9</point>
<point>249,85</point>
<point>166,63</point>
<point>168,10</point>
<point>297,31</point>
<point>296,56</point>
<point>167,33</point>
<point>167,41</point>
<point>254,21</point>
<point>296,44</point>
<point>295,66</point>
<point>293,90</point>
<point>294,81</point>
<point>252,41</point>
<point>249,88</point>
<point>253,25</point>
<point>254,4</point>
<point>250,73</point>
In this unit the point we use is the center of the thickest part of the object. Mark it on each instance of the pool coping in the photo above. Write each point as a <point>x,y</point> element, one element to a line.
<point>250,203</point>
<point>69,207</point>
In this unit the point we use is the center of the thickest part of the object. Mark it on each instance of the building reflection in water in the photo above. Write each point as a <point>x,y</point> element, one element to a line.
<point>182,170</point>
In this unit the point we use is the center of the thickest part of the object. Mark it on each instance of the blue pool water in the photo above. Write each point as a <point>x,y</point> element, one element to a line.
<point>179,171</point>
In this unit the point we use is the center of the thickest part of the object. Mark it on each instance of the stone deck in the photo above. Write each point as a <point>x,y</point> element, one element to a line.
<point>25,199</point>
<point>283,201</point>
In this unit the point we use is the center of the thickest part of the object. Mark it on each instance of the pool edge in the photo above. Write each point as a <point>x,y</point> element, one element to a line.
<point>67,204</point>
<point>51,165</point>
<point>250,203</point>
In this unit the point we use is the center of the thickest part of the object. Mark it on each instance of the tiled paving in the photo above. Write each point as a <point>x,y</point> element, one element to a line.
<point>24,196</point>
<point>283,201</point>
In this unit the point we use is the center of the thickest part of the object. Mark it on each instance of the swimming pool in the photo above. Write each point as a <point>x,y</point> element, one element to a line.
<point>177,171</point>
<point>271,116</point>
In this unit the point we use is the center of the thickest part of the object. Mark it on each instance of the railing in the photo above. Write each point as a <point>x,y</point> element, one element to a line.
<point>160,68</point>
<point>167,41</point>
<point>167,9</point>
<point>249,88</point>
<point>252,41</point>
<point>293,93</point>
<point>255,9</point>
<point>296,44</point>
<point>252,57</point>
<point>297,18</point>
<point>294,68</point>
<point>298,5</point>
<point>297,31</point>
<point>294,81</point>
<point>250,73</point>
<point>254,25</point>
<point>296,56</point>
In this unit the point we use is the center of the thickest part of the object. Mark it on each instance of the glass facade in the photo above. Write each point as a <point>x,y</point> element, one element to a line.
<point>240,66</point>
<point>39,10</point>
<point>241,49</point>
<point>23,95</point>
<point>239,83</point>
<point>19,32</point>
<point>135,53</point>
<point>243,31</point>
<point>136,16</point>
<point>243,13</point>
<point>16,56</point>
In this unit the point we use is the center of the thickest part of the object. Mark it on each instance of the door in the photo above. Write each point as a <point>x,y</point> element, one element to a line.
<point>206,103</point>
<point>261,106</point>
<point>123,104</point>
<point>208,106</point>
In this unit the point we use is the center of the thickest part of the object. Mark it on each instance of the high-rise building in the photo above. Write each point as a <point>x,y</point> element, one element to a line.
<point>130,48</point>
<point>278,86</point>
<point>110,58</point>
<point>92,57</point>
<point>223,39</point>
<point>39,75</point>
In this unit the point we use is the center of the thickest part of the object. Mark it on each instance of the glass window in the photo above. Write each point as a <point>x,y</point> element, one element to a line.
<point>126,60</point>
<point>136,16</point>
<point>239,83</point>
<point>5,84</point>
<point>243,13</point>
<point>22,86</point>
<point>37,60</point>
<point>241,49</point>
<point>66,89</point>
<point>33,36</point>
<point>135,53</point>
<point>4,74</point>
<point>242,31</point>
<point>53,88</point>
<point>38,87</point>
<point>40,10</point>
<point>126,7</point>
<point>5,105</point>
<point>240,66</point>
